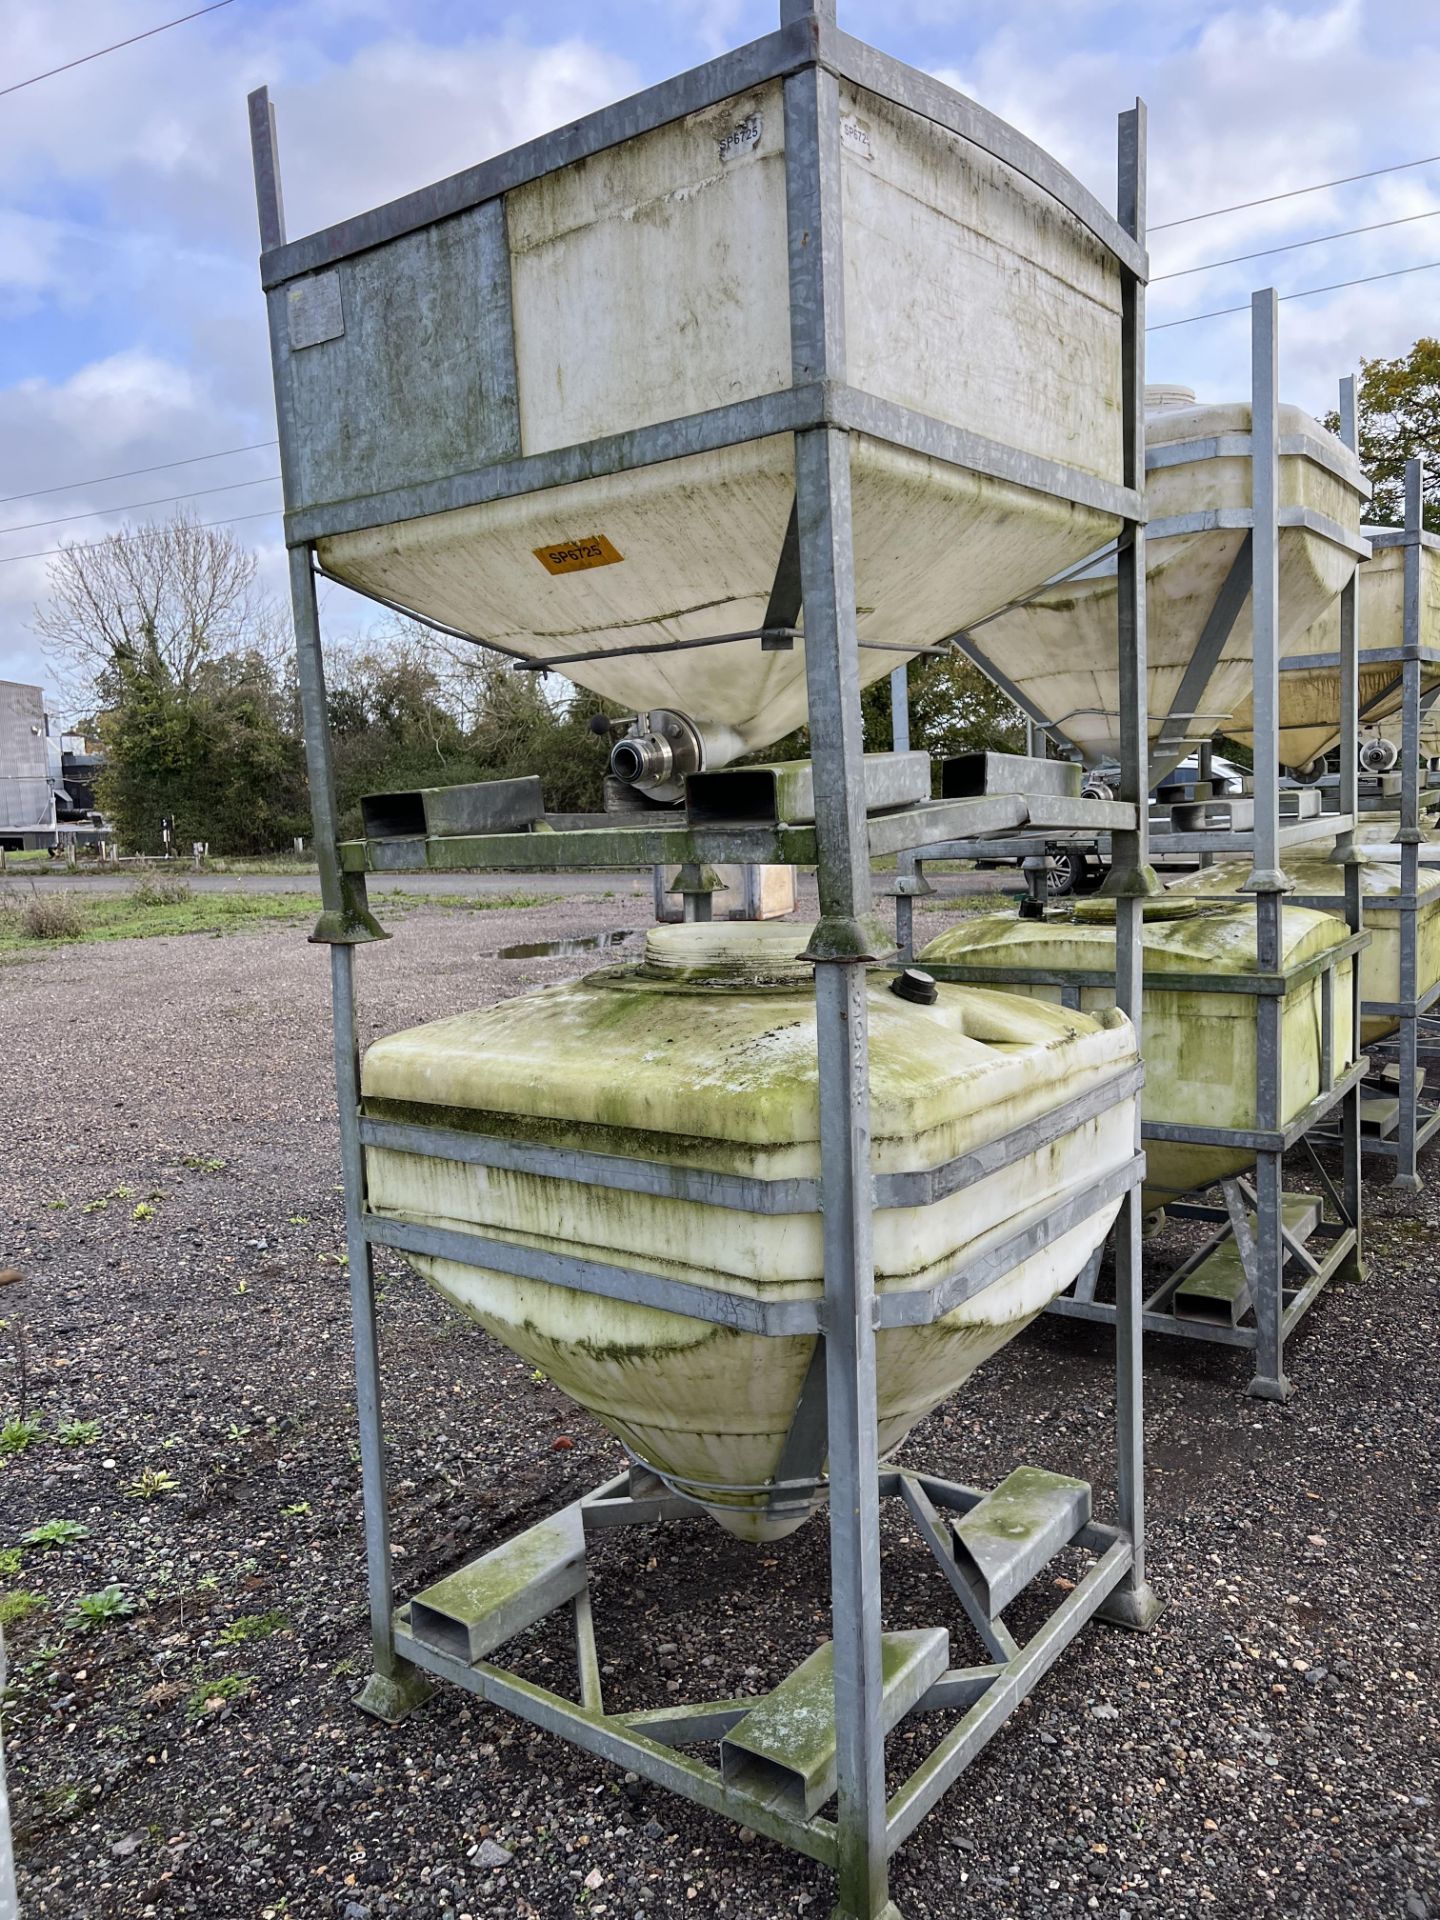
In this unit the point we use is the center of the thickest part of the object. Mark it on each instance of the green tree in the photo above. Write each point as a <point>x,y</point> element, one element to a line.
<point>953,709</point>
<point>1398,408</point>
<point>166,628</point>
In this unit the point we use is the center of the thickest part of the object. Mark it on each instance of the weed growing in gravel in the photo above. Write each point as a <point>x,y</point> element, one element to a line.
<point>203,1163</point>
<point>211,1695</point>
<point>18,1434</point>
<point>9,1562</point>
<point>18,1606</point>
<point>99,1608</point>
<point>57,1205</point>
<point>51,916</point>
<point>153,1484</point>
<point>298,1220</point>
<point>252,1626</point>
<point>95,1206</point>
<point>295,1509</point>
<point>78,1433</point>
<point>55,1533</point>
<point>144,1211</point>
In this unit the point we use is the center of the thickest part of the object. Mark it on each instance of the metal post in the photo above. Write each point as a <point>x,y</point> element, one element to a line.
<point>1347,853</point>
<point>844,939</point>
<point>345,922</point>
<point>906,864</point>
<point>1133,1603</point>
<point>1267,882</point>
<point>9,1906</point>
<point>1410,836</point>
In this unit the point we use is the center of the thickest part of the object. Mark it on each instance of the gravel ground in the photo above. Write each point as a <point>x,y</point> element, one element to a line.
<point>1271,1745</point>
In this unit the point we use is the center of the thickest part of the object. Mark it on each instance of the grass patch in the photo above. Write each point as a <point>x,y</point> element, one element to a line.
<point>485,902</point>
<point>148,910</point>
<point>19,1605</point>
<point>50,916</point>
<point>252,1626</point>
<point>211,1695</point>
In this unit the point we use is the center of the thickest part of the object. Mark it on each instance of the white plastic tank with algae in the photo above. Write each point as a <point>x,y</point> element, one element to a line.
<point>1059,648</point>
<point>703,1056</point>
<point>1200,1047</point>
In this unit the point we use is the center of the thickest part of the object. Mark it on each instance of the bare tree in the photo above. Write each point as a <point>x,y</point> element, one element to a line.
<point>175,593</point>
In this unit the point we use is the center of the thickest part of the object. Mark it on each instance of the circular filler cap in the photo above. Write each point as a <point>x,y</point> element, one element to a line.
<point>914,985</point>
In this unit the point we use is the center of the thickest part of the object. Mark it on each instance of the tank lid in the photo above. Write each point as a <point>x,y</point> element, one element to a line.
<point>746,953</point>
<point>1101,913</point>
<point>1165,399</point>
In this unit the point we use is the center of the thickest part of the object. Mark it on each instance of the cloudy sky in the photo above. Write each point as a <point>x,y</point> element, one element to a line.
<point>132,330</point>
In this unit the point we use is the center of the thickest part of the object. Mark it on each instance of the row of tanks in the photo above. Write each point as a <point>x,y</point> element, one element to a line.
<point>703,1054</point>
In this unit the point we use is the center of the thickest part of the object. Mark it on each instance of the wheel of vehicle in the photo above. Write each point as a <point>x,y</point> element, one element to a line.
<point>1063,871</point>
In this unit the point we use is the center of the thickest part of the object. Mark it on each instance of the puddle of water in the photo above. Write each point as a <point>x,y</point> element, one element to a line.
<point>564,949</point>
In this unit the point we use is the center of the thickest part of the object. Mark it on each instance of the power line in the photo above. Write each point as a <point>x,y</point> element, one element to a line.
<point>1241,206</point>
<point>126,539</point>
<point>114,47</point>
<point>1304,293</point>
<point>1319,239</point>
<point>133,473</point>
<point>162,500</point>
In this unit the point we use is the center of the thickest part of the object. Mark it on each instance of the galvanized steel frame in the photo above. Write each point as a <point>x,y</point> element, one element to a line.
<point>811,57</point>
<point>648,1740</point>
<point>1417,1122</point>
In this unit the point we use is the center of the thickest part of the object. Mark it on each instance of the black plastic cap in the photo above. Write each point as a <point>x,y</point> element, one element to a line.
<point>914,985</point>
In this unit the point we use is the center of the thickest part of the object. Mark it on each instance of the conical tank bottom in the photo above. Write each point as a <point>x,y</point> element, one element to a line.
<point>703,1057</point>
<point>1310,697</point>
<point>697,543</point>
<point>1060,648</point>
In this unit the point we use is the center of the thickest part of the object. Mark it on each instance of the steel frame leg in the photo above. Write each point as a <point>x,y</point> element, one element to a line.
<point>395,1687</point>
<point>843,941</point>
<point>1407,1177</point>
<point>1269,1382</point>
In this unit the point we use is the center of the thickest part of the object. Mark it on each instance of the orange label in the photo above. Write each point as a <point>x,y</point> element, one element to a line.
<point>573,556</point>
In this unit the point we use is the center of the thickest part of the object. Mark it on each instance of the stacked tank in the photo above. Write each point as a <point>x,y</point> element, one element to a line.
<point>644,283</point>
<point>1310,696</point>
<point>649,282</point>
<point>1314,875</point>
<point>1057,649</point>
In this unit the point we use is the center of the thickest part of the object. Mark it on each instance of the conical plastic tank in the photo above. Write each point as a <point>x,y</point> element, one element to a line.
<point>1310,698</point>
<point>704,1056</point>
<point>650,282</point>
<point>1059,649</point>
<point>1200,1048</point>
<point>1317,875</point>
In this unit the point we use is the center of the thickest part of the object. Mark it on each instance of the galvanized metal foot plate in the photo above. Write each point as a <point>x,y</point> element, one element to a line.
<point>1135,1608</point>
<point>784,1748</point>
<point>1018,1528</point>
<point>1218,1291</point>
<point>1261,1388</point>
<point>391,1697</point>
<point>487,1602</point>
